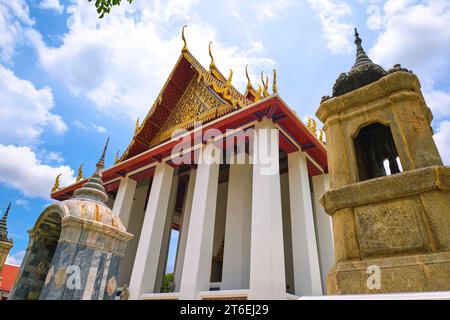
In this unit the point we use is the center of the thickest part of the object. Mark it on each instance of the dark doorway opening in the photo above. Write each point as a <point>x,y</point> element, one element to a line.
<point>376,154</point>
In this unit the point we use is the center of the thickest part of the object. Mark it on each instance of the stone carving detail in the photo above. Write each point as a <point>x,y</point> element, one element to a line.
<point>389,227</point>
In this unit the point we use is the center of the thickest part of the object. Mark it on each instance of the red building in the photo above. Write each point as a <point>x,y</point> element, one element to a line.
<point>7,277</point>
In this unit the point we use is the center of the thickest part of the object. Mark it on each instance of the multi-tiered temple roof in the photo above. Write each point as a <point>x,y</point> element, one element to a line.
<point>194,94</point>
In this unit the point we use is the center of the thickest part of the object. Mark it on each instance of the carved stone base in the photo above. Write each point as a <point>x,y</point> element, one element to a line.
<point>417,273</point>
<point>399,223</point>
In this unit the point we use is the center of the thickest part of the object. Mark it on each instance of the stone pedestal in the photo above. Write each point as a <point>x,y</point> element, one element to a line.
<point>392,232</point>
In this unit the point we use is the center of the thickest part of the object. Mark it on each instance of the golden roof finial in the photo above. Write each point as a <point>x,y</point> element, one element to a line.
<point>312,124</point>
<point>212,64</point>
<point>137,126</point>
<point>249,83</point>
<point>116,160</point>
<point>265,84</point>
<point>56,185</point>
<point>274,84</point>
<point>258,93</point>
<point>185,49</point>
<point>80,173</point>
<point>321,135</point>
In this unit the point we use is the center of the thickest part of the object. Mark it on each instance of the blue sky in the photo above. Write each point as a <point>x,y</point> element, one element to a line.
<point>68,80</point>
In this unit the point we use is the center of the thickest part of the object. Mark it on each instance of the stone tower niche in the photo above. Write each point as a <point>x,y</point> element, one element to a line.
<point>389,195</point>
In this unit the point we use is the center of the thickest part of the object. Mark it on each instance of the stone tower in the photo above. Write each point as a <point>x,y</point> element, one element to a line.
<point>389,195</point>
<point>5,243</point>
<point>75,248</point>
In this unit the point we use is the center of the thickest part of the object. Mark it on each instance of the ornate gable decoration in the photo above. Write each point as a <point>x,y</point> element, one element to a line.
<point>191,93</point>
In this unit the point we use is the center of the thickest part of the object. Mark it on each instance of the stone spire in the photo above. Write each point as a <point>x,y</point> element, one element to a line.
<point>4,227</point>
<point>361,56</point>
<point>93,189</point>
<point>363,72</point>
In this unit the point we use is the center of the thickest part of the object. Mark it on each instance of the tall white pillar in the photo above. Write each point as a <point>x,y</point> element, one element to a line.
<point>236,254</point>
<point>147,256</point>
<point>197,268</point>
<point>267,270</point>
<point>162,265</point>
<point>324,228</point>
<point>124,200</point>
<point>304,243</point>
<point>184,228</point>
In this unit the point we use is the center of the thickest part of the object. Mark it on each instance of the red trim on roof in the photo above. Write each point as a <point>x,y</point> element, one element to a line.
<point>272,106</point>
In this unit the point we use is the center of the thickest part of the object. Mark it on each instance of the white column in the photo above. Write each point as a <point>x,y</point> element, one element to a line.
<point>147,256</point>
<point>197,267</point>
<point>304,243</point>
<point>124,200</point>
<point>162,265</point>
<point>236,254</point>
<point>184,228</point>
<point>267,270</point>
<point>324,228</point>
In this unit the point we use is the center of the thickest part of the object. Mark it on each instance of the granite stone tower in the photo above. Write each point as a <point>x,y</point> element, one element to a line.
<point>389,195</point>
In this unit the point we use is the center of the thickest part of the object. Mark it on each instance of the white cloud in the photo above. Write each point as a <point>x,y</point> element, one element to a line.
<point>442,138</point>
<point>417,36</point>
<point>121,62</point>
<point>16,259</point>
<point>269,8</point>
<point>21,169</point>
<point>22,202</point>
<point>52,5</point>
<point>77,123</point>
<point>439,103</point>
<point>14,18</point>
<point>98,128</point>
<point>25,110</point>
<point>336,32</point>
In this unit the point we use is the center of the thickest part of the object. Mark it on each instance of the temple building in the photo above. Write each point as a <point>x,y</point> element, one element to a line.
<point>246,185</point>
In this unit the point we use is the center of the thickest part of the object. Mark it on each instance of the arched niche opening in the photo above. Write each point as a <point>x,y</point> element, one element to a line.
<point>375,151</point>
<point>38,259</point>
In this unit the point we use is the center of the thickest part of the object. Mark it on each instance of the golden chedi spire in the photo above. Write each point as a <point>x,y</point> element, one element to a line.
<point>185,48</point>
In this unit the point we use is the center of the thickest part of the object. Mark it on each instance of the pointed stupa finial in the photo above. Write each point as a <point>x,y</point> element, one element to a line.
<point>361,56</point>
<point>3,226</point>
<point>93,189</point>
<point>101,162</point>
<point>185,49</point>
<point>363,72</point>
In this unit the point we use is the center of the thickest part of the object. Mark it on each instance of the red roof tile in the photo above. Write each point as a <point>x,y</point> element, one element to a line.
<point>8,276</point>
